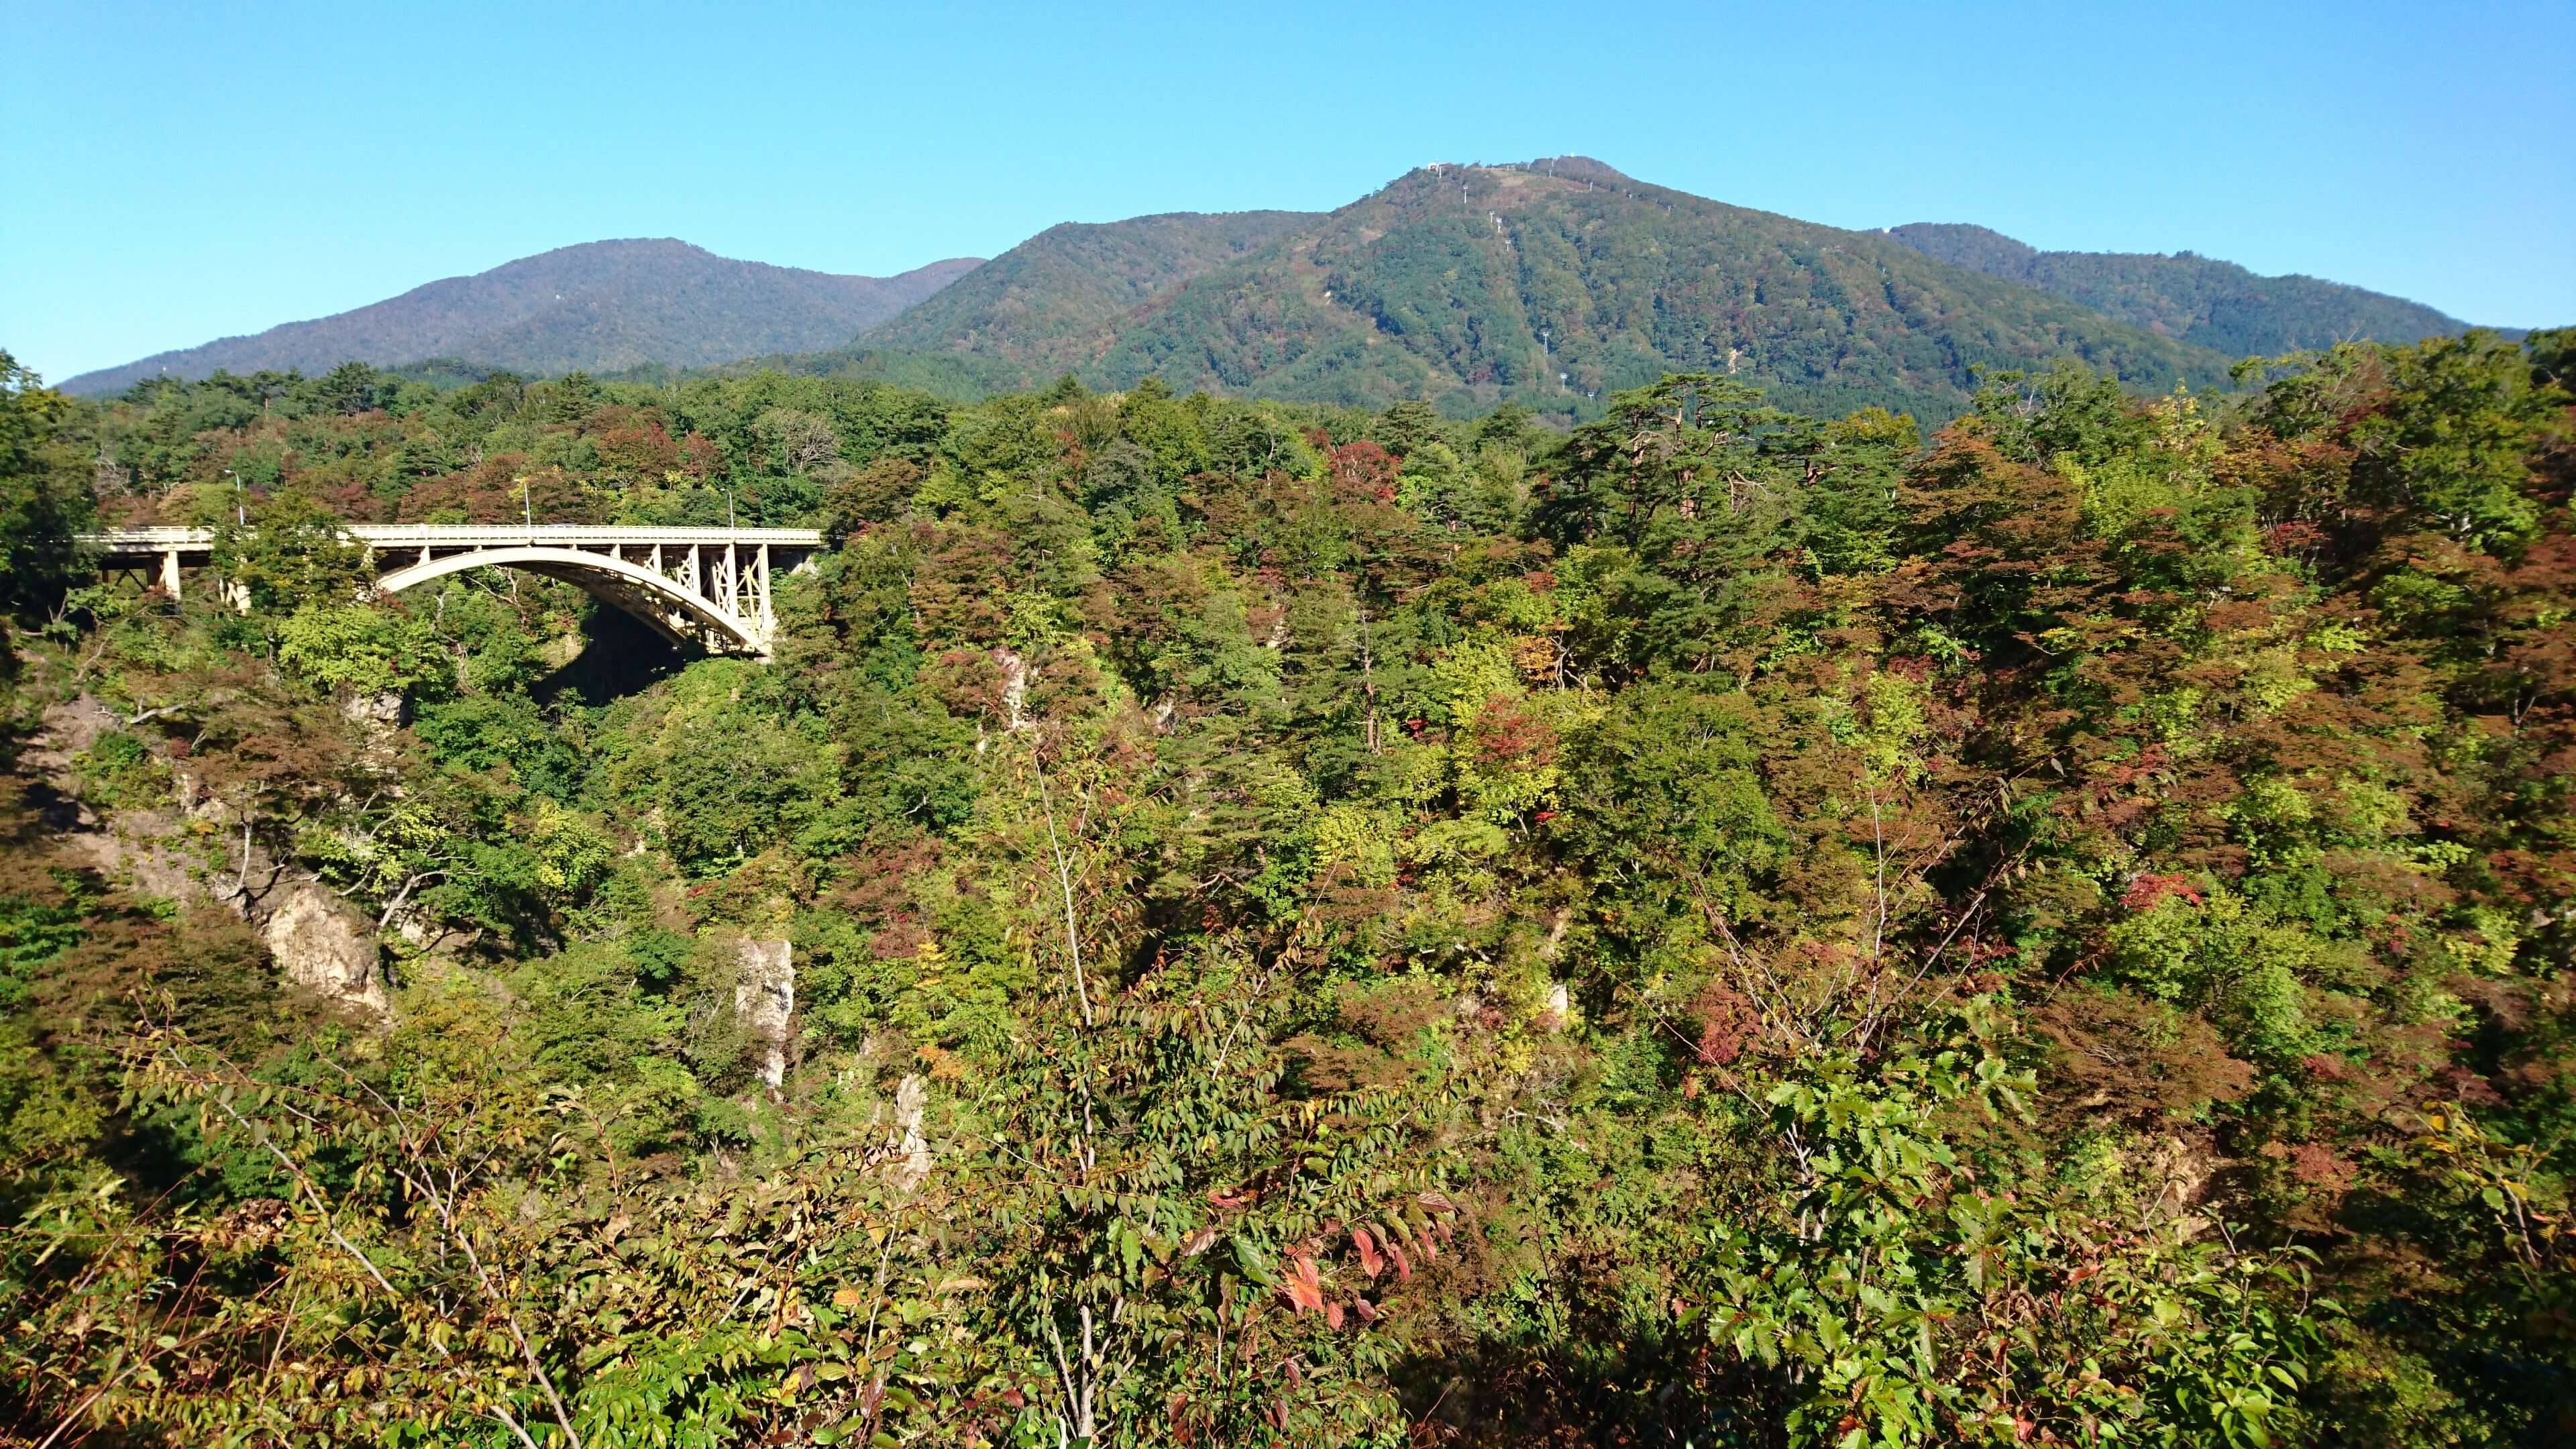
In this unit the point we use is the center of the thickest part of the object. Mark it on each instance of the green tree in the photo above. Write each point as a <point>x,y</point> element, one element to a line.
<point>44,494</point>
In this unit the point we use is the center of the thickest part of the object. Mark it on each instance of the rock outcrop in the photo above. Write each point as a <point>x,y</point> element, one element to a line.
<point>911,1095</point>
<point>321,942</point>
<point>764,1000</point>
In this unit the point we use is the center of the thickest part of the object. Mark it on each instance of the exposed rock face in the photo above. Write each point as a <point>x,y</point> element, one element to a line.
<point>384,711</point>
<point>764,999</point>
<point>320,941</point>
<point>323,943</point>
<point>910,1096</point>
<point>133,853</point>
<point>1015,686</point>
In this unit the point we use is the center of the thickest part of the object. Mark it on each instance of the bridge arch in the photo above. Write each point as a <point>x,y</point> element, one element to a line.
<point>669,605</point>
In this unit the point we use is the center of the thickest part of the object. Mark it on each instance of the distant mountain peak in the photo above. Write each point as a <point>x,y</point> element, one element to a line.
<point>600,306</point>
<point>1578,168</point>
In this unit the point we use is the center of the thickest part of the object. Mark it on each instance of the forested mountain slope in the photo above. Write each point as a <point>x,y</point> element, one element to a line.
<point>1052,302</point>
<point>1550,285</point>
<point>2196,299</point>
<point>600,307</point>
<point>1254,923</point>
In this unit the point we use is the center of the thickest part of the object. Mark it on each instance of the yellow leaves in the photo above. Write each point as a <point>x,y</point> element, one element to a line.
<point>1538,656</point>
<point>2271,800</point>
<point>1896,722</point>
<point>572,855</point>
<point>1359,837</point>
<point>928,961</point>
<point>2273,677</point>
<point>2490,950</point>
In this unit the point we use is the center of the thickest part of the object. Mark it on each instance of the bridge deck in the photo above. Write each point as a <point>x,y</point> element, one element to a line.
<point>153,542</point>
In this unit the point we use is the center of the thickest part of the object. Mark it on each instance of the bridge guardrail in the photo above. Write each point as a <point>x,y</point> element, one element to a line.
<point>158,538</point>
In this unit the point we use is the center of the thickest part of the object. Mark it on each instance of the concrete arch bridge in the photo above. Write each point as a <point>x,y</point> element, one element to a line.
<point>708,587</point>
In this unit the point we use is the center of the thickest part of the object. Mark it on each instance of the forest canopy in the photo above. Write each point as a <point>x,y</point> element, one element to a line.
<point>1243,922</point>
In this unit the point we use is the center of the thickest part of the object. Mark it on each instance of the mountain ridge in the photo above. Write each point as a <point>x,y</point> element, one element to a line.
<point>1550,283</point>
<point>596,306</point>
<point>2192,298</point>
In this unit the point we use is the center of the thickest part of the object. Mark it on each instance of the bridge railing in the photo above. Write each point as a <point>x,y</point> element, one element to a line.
<point>162,539</point>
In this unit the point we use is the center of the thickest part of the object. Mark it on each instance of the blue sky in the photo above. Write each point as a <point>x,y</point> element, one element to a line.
<point>176,173</point>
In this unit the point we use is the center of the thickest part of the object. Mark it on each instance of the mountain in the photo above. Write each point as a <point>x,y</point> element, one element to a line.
<point>600,307</point>
<point>1549,283</point>
<point>1054,300</point>
<point>2197,299</point>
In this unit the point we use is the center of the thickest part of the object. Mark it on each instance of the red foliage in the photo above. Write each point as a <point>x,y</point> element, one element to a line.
<point>1372,1262</point>
<point>641,453</point>
<point>490,492</point>
<point>1362,472</point>
<point>1510,733</point>
<point>1300,1285</point>
<point>1728,1023</point>
<point>2146,888</point>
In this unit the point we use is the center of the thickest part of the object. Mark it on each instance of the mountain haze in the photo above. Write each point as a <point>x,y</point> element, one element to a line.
<point>2196,299</point>
<point>601,307</point>
<point>1550,283</point>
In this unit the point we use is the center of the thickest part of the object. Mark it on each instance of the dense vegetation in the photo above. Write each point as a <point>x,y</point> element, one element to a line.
<point>606,306</point>
<point>1550,285</point>
<point>1316,926</point>
<point>2200,300</point>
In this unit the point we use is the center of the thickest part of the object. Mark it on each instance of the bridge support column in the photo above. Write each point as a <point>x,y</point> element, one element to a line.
<point>170,572</point>
<point>760,592</point>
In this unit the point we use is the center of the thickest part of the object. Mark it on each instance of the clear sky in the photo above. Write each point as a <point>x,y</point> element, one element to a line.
<point>178,172</point>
